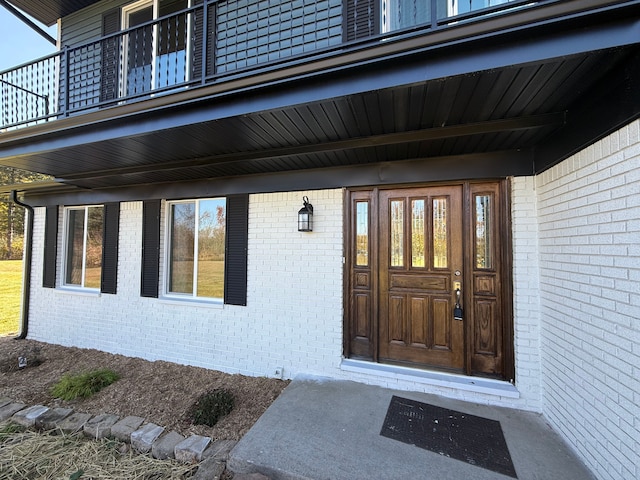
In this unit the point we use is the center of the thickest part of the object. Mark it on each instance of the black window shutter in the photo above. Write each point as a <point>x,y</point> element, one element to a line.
<point>150,248</point>
<point>235,271</point>
<point>361,19</point>
<point>110,60</point>
<point>50,247</point>
<point>110,233</point>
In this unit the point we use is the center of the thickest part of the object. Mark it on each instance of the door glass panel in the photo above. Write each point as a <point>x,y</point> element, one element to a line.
<point>483,231</point>
<point>171,56</point>
<point>362,234</point>
<point>440,233</point>
<point>397,233</point>
<point>459,7</point>
<point>140,51</point>
<point>398,14</point>
<point>417,233</point>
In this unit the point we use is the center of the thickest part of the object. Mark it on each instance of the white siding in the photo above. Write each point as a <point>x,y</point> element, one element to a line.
<point>589,221</point>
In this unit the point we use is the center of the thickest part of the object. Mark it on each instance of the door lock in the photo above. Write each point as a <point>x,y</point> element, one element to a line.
<point>457,309</point>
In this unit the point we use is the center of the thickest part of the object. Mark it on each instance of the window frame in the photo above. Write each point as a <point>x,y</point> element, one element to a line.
<point>125,13</point>
<point>167,257</point>
<point>66,247</point>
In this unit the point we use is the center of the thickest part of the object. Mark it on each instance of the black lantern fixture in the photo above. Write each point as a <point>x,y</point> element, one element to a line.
<point>305,216</point>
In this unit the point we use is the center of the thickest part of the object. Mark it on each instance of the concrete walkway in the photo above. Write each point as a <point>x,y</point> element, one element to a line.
<point>326,429</point>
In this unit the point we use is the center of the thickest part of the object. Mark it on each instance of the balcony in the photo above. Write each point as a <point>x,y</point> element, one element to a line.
<point>349,89</point>
<point>218,41</point>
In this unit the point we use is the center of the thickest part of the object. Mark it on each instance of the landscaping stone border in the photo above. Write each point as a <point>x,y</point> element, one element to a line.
<point>145,437</point>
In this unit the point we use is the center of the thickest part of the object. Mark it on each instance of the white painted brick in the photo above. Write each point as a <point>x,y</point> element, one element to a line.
<point>589,308</point>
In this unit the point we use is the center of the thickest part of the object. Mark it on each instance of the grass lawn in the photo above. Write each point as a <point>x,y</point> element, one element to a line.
<point>10,296</point>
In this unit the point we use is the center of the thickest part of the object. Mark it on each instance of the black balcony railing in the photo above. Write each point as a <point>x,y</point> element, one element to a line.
<point>212,40</point>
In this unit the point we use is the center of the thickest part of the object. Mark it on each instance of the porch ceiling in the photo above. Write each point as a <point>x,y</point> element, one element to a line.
<point>527,102</point>
<point>49,11</point>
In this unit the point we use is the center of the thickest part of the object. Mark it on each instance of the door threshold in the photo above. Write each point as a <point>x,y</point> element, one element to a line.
<point>431,377</point>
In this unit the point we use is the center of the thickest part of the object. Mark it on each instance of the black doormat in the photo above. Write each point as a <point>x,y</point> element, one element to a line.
<point>475,440</point>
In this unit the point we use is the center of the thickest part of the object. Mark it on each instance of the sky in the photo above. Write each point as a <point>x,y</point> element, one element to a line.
<point>19,43</point>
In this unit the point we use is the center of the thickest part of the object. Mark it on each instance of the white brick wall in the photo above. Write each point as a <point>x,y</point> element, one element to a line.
<point>293,318</point>
<point>589,222</point>
<point>526,293</point>
<point>294,314</point>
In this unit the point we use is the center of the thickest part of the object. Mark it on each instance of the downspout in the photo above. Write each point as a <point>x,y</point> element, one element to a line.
<point>26,269</point>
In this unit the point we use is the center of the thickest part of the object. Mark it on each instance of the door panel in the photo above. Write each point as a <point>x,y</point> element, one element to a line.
<point>408,249</point>
<point>420,251</point>
<point>361,309</point>
<point>486,322</point>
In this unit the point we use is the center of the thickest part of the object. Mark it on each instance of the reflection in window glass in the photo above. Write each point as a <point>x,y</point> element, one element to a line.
<point>197,248</point>
<point>459,7</point>
<point>440,240</point>
<point>398,14</point>
<point>362,234</point>
<point>211,238</point>
<point>417,233</point>
<point>181,261</point>
<point>83,266</point>
<point>75,247</point>
<point>397,233</point>
<point>483,231</point>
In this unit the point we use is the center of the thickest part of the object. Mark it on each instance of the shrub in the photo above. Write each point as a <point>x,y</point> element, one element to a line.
<point>83,385</point>
<point>211,407</point>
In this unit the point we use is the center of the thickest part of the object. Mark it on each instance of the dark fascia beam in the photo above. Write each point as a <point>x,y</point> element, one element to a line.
<point>21,16</point>
<point>451,168</point>
<point>510,124</point>
<point>597,118</point>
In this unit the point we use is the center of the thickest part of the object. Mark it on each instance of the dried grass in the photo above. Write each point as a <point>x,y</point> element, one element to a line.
<point>53,455</point>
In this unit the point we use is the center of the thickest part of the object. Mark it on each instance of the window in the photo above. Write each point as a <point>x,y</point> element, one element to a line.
<point>155,54</point>
<point>83,246</point>
<point>196,248</point>
<point>90,247</point>
<point>399,14</point>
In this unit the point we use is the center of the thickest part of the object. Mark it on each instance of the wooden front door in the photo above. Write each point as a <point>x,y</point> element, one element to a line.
<point>415,253</point>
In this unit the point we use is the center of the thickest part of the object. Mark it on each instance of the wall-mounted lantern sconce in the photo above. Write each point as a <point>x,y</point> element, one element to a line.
<point>305,216</point>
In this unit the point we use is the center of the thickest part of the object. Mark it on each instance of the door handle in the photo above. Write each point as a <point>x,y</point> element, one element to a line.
<point>457,309</point>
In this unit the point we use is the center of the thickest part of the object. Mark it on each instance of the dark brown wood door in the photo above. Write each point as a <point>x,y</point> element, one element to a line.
<point>420,259</point>
<point>409,251</point>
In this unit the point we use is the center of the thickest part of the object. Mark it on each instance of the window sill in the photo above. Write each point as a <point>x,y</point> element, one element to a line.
<point>217,304</point>
<point>83,292</point>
